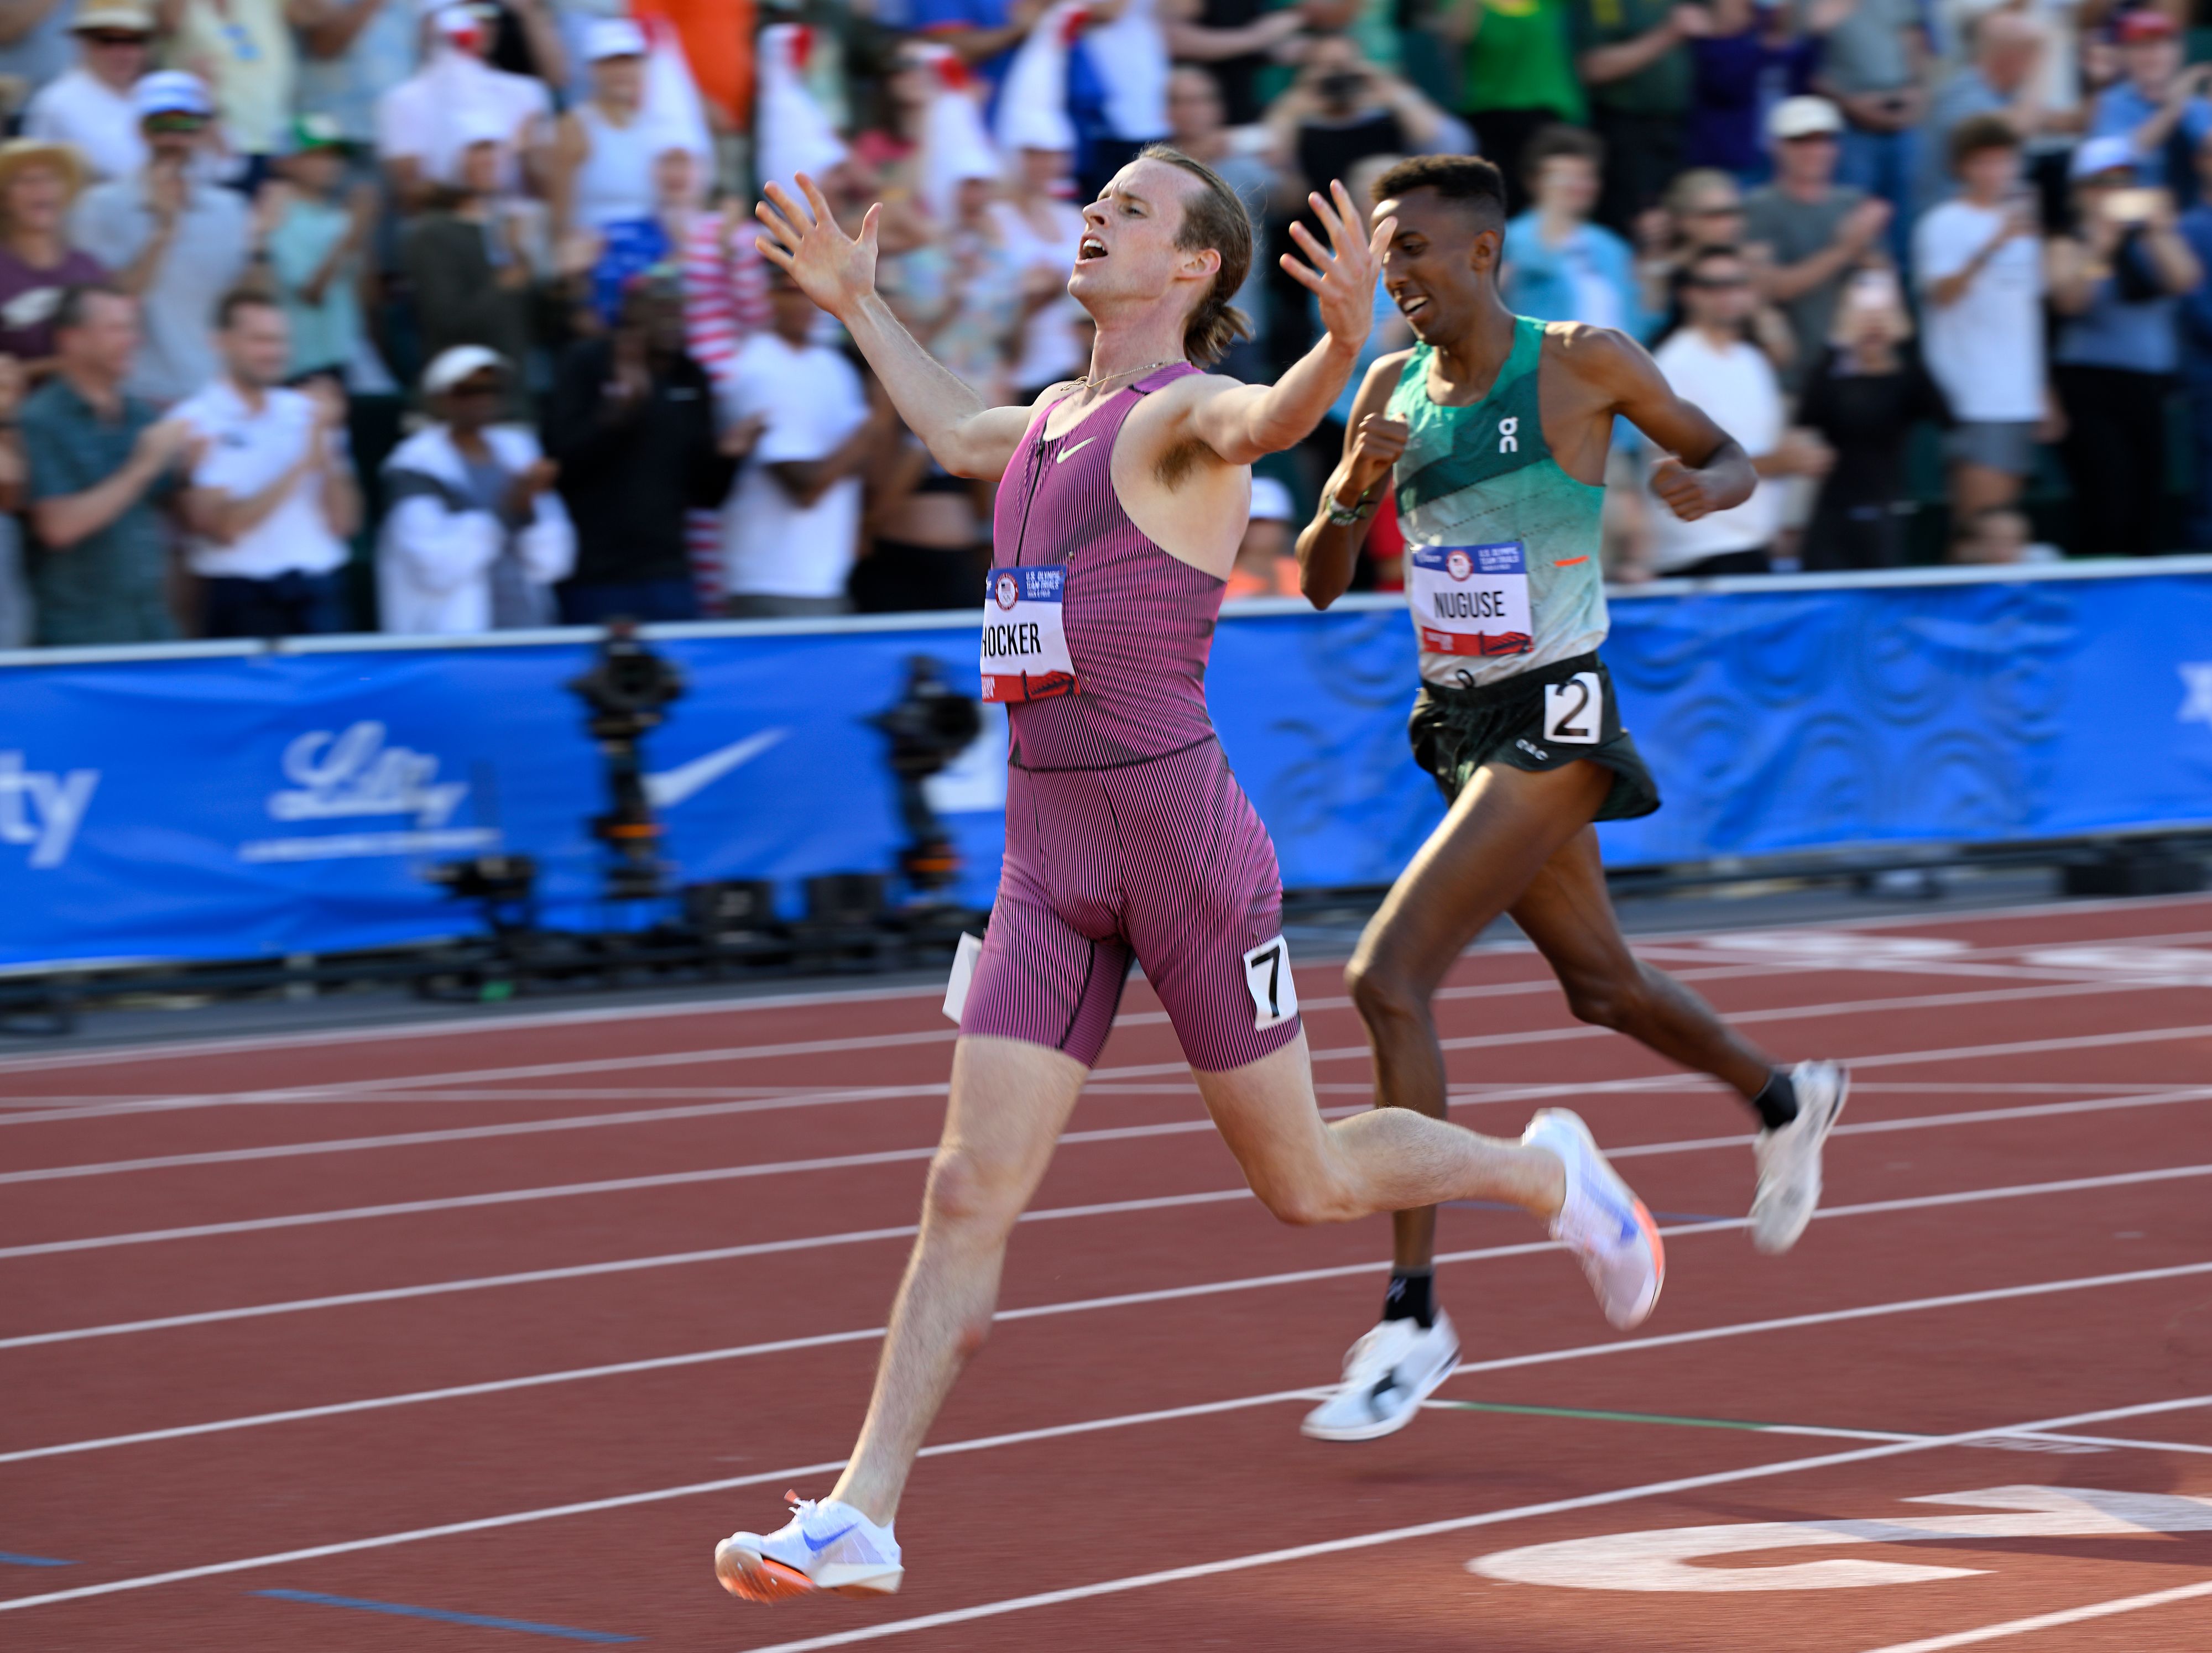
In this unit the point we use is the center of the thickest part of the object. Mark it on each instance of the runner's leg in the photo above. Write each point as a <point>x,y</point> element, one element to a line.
<point>1568,914</point>
<point>1010,1102</point>
<point>1506,826</point>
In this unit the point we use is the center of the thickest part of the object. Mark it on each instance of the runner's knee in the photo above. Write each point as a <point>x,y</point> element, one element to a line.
<point>1384,993</point>
<point>1606,997</point>
<point>973,1191</point>
<point>1305,1196</point>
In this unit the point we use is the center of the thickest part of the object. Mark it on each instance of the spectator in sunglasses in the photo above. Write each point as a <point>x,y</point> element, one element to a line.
<point>175,241</point>
<point>89,105</point>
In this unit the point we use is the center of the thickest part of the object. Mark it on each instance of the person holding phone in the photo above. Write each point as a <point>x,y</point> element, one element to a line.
<point>2115,279</point>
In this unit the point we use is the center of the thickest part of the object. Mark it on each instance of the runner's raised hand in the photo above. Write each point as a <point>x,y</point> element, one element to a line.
<point>1342,281</point>
<point>835,270</point>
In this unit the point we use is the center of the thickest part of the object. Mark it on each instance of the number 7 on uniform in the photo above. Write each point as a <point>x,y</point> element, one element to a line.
<point>1267,977</point>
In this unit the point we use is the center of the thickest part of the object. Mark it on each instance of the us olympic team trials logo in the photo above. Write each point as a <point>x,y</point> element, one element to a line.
<point>1459,565</point>
<point>1006,591</point>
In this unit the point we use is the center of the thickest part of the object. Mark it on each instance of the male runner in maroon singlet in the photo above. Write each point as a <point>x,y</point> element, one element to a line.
<point>1121,503</point>
<point>1493,430</point>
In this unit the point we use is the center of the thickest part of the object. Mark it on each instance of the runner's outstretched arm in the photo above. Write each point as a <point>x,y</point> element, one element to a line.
<point>1240,422</point>
<point>838,272</point>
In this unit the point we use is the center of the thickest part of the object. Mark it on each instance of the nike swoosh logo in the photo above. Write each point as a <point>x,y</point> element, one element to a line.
<point>1064,453</point>
<point>832,1539</point>
<point>672,786</point>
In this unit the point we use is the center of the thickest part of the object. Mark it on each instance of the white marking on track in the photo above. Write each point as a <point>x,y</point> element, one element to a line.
<point>725,1173</point>
<point>2011,1627</point>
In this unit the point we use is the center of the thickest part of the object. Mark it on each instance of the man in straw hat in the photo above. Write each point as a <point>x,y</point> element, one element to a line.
<point>37,183</point>
<point>89,105</point>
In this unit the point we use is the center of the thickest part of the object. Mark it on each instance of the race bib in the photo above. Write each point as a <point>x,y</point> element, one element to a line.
<point>1024,640</point>
<point>1267,979</point>
<point>1470,599</point>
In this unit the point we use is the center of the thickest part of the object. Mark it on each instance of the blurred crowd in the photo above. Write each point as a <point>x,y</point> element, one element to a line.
<point>442,315</point>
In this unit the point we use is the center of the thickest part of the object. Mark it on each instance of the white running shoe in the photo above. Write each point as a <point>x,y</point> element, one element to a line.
<point>1601,1222</point>
<point>1789,1157</point>
<point>1390,1371</point>
<point>823,1546</point>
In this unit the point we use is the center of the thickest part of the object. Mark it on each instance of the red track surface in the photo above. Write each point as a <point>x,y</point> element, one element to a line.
<point>1963,1015</point>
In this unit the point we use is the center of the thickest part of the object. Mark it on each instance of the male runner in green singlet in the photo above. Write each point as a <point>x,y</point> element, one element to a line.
<point>1493,430</point>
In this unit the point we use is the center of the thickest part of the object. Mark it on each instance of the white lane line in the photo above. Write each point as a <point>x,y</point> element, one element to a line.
<point>2119,1440</point>
<point>628,1265</point>
<point>377,1089</point>
<point>724,1173</point>
<point>2050,1620</point>
<point>571,1122</point>
<point>711,1357</point>
<point>1495,1517</point>
<point>1433,1530</point>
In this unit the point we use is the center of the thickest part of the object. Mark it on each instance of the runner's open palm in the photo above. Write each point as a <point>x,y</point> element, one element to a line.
<point>835,270</point>
<point>1341,282</point>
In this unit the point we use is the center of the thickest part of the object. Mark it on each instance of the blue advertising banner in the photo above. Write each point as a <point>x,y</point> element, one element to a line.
<point>241,804</point>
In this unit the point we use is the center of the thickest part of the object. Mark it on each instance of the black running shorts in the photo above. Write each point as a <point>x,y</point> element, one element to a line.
<point>1544,718</point>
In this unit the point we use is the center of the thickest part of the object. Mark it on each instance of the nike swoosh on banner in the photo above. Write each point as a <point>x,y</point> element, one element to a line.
<point>832,1539</point>
<point>1064,453</point>
<point>672,786</point>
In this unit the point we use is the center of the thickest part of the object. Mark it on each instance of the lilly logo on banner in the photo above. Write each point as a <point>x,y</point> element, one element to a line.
<point>354,774</point>
<point>43,807</point>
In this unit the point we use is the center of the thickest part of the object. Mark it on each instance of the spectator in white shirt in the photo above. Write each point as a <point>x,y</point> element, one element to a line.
<point>271,500</point>
<point>424,122</point>
<point>793,523</point>
<point>476,536</point>
<point>1708,361</point>
<point>1979,266</point>
<point>89,105</point>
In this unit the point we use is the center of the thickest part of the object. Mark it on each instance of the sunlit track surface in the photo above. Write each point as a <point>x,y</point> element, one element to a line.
<point>453,1337</point>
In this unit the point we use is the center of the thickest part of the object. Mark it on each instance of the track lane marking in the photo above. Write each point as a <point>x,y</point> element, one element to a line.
<point>572,1121</point>
<point>631,1265</point>
<point>724,1173</point>
<point>2044,1620</point>
<point>704,1357</point>
<point>1364,1541</point>
<point>524,1020</point>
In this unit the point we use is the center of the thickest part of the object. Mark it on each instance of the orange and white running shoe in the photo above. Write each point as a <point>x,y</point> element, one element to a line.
<point>823,1546</point>
<point>1601,1222</point>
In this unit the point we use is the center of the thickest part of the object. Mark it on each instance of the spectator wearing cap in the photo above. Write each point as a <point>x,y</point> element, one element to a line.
<point>474,260</point>
<point>793,523</point>
<point>2005,77</point>
<point>101,463</point>
<point>1631,56</point>
<point>174,241</point>
<point>89,105</point>
<point>1872,66</point>
<point>1976,261</point>
<point>604,146</point>
<point>474,536</point>
<point>1811,231</point>
<point>631,422</point>
<point>351,53</point>
<point>1556,264</point>
<point>38,182</point>
<point>2160,108</point>
<point>1267,565</point>
<point>316,246</point>
<point>243,50</point>
<point>2116,279</point>
<point>271,499</point>
<point>458,98</point>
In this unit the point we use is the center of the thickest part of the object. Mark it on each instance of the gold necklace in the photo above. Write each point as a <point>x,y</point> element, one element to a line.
<point>1091,385</point>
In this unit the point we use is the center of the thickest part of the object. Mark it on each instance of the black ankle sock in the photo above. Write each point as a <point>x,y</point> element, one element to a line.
<point>1412,1296</point>
<point>1777,1105</point>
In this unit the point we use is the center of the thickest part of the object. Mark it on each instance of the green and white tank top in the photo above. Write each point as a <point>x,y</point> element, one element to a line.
<point>1503,566</point>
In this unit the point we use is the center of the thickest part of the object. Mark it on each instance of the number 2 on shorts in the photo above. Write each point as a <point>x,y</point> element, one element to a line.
<point>1267,977</point>
<point>1574,711</point>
